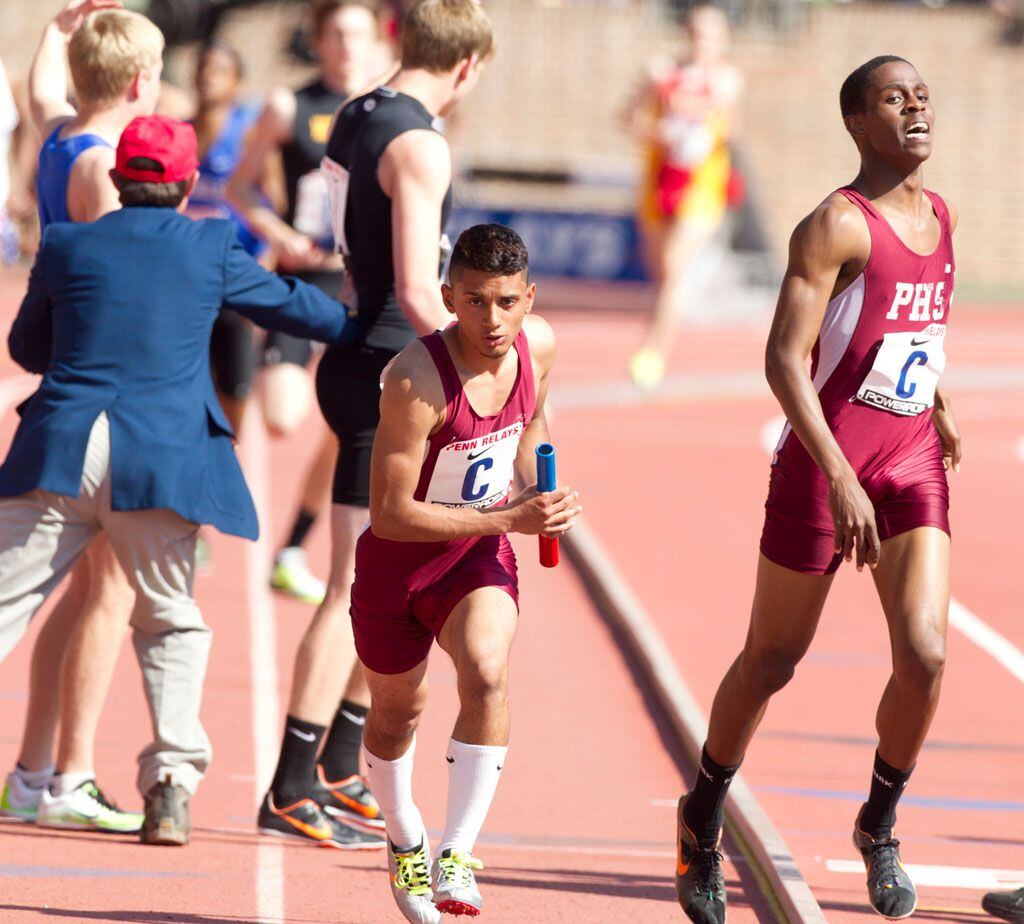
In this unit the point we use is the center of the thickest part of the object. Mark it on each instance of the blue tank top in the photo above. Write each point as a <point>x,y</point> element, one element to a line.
<point>56,159</point>
<point>207,199</point>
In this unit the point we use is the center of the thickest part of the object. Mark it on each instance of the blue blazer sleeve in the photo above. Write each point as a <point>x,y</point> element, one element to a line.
<point>31,338</point>
<point>281,303</point>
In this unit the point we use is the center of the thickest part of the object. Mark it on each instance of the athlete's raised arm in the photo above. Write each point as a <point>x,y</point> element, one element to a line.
<point>272,129</point>
<point>48,77</point>
<point>412,406</point>
<point>830,246</point>
<point>415,173</point>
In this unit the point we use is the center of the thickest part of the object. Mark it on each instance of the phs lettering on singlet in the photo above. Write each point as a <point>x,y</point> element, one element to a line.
<point>906,371</point>
<point>477,472</point>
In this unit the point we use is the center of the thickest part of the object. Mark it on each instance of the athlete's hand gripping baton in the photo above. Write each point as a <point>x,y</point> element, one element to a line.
<point>546,482</point>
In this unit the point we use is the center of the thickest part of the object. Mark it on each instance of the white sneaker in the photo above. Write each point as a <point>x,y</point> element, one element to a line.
<point>86,809</point>
<point>19,800</point>
<point>455,889</point>
<point>291,575</point>
<point>410,883</point>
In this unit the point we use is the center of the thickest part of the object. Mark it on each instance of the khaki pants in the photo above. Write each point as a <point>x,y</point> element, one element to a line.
<point>42,534</point>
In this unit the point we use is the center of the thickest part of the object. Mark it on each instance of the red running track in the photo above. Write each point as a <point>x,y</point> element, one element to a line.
<point>686,532</point>
<point>579,831</point>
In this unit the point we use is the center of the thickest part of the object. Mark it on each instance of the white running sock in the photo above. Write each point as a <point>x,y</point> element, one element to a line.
<point>64,783</point>
<point>391,784</point>
<point>473,772</point>
<point>34,779</point>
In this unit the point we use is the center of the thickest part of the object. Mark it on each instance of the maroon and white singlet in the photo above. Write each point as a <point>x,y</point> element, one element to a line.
<point>404,591</point>
<point>875,365</point>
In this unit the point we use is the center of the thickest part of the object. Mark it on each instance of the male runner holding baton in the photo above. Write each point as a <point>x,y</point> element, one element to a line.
<point>460,410</point>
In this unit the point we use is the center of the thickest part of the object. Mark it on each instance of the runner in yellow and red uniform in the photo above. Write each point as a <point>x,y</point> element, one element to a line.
<point>684,116</point>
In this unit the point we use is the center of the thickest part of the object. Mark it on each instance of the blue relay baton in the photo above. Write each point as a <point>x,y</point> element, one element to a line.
<point>546,482</point>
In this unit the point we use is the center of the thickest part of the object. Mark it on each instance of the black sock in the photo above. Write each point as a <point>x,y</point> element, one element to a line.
<point>879,813</point>
<point>704,812</point>
<point>340,758</point>
<point>293,778</point>
<point>304,521</point>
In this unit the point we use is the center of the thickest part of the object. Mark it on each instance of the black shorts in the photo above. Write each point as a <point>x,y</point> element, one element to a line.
<point>284,348</point>
<point>232,355</point>
<point>348,389</point>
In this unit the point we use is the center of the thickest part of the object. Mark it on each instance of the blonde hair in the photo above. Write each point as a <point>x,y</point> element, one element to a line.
<point>109,49</point>
<point>438,34</point>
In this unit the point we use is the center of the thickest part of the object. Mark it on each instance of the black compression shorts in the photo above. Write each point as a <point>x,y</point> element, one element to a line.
<point>348,389</point>
<point>232,355</point>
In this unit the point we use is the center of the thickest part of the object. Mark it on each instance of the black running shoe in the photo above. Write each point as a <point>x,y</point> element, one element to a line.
<point>1006,905</point>
<point>700,885</point>
<point>306,820</point>
<point>890,890</point>
<point>349,800</point>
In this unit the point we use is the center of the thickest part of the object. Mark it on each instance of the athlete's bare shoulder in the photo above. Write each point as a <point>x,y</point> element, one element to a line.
<point>834,234</point>
<point>411,379</point>
<point>541,338</point>
<point>278,116</point>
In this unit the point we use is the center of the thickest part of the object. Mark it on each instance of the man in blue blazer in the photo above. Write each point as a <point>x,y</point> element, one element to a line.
<point>125,434</point>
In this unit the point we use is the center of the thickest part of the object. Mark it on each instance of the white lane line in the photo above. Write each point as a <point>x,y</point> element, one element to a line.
<point>987,639</point>
<point>951,877</point>
<point>263,672</point>
<point>1020,449</point>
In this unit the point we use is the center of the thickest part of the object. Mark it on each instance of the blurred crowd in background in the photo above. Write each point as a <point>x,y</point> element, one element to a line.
<point>554,143</point>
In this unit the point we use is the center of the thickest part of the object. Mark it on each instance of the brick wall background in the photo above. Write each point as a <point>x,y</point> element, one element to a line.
<point>552,97</point>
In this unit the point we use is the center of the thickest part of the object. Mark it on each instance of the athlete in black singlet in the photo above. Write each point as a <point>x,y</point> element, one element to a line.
<point>348,381</point>
<point>292,131</point>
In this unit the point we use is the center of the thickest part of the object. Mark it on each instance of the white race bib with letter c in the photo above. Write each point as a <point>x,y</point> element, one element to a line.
<point>476,472</point>
<point>906,371</point>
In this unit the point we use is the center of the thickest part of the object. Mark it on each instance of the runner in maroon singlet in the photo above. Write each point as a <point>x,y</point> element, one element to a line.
<point>860,471</point>
<point>461,411</point>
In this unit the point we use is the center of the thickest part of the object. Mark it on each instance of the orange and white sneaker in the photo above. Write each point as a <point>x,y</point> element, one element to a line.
<point>306,820</point>
<point>349,800</point>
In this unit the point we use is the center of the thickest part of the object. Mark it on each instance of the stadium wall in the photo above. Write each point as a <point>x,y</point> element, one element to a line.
<point>552,100</point>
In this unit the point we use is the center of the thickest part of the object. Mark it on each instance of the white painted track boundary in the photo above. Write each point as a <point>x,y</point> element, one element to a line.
<point>987,639</point>
<point>766,851</point>
<point>269,873</point>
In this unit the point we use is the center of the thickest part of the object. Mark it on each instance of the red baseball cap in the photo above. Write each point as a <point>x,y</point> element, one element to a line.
<point>170,143</point>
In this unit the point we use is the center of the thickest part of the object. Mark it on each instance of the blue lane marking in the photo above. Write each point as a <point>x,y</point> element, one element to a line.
<point>19,871</point>
<point>939,802</point>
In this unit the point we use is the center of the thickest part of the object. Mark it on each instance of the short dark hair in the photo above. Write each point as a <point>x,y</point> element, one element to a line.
<point>851,94</point>
<point>493,249</point>
<point>225,48</point>
<point>160,195</point>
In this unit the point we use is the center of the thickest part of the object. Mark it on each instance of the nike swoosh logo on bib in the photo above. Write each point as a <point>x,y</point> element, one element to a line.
<point>476,455</point>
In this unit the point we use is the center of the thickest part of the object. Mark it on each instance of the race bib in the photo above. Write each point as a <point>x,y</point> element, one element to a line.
<point>313,209</point>
<point>336,178</point>
<point>906,372</point>
<point>478,472</point>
